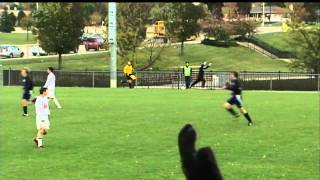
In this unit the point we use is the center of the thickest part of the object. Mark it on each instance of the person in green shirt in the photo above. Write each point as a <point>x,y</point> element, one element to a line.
<point>187,72</point>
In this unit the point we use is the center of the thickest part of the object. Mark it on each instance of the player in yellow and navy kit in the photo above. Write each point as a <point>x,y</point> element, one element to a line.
<point>128,71</point>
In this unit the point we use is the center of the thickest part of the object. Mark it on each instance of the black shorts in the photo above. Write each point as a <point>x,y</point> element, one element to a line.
<point>128,77</point>
<point>236,100</point>
<point>26,96</point>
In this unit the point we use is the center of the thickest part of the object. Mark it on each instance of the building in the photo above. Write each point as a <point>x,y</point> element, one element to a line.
<point>272,13</point>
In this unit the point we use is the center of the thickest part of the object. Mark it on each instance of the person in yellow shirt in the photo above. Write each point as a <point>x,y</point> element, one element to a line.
<point>128,71</point>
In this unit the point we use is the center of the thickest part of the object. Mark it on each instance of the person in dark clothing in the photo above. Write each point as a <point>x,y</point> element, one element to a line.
<point>187,72</point>
<point>236,98</point>
<point>200,77</point>
<point>197,164</point>
<point>27,90</point>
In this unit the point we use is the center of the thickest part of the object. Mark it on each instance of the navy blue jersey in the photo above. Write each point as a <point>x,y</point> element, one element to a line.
<point>235,87</point>
<point>27,84</point>
<point>201,70</point>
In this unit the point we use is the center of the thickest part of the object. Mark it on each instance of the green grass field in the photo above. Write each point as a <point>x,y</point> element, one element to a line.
<point>17,38</point>
<point>233,58</point>
<point>121,134</point>
<point>278,40</point>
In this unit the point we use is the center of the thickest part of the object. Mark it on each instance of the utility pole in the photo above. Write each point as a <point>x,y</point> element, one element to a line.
<point>38,43</point>
<point>112,39</point>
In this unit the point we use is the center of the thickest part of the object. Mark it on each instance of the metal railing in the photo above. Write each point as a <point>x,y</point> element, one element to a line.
<point>174,79</point>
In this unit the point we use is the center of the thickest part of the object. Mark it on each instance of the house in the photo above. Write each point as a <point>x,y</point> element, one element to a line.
<point>272,13</point>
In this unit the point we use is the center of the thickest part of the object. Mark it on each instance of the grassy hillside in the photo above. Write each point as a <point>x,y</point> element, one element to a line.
<point>17,38</point>
<point>233,58</point>
<point>278,40</point>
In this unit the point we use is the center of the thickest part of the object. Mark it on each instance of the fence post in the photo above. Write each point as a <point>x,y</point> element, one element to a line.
<point>271,83</point>
<point>136,81</point>
<point>318,82</point>
<point>172,80</point>
<point>93,79</point>
<point>9,77</point>
<point>1,75</point>
<point>178,79</point>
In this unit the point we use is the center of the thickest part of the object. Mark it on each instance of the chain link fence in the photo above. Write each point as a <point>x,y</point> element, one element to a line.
<point>172,79</point>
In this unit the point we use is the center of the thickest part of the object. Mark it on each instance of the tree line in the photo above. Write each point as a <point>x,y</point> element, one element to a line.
<point>59,25</point>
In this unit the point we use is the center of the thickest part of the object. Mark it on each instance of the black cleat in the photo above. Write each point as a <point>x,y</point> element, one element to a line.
<point>40,147</point>
<point>35,141</point>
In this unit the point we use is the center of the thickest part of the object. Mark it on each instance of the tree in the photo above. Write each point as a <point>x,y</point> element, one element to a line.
<point>306,43</point>
<point>230,10</point>
<point>131,26</point>
<point>25,6</point>
<point>154,48</point>
<point>313,8</point>
<point>159,12</point>
<point>59,27</point>
<point>13,19</point>
<point>243,8</point>
<point>6,22</point>
<point>216,10</point>
<point>95,19</point>
<point>88,9</point>
<point>183,20</point>
<point>296,12</point>
<point>279,4</point>
<point>245,28</point>
<point>14,5</point>
<point>101,8</point>
<point>26,23</point>
<point>21,14</point>
<point>220,34</point>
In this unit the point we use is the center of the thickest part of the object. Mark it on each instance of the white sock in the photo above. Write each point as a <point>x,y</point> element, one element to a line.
<point>55,100</point>
<point>39,142</point>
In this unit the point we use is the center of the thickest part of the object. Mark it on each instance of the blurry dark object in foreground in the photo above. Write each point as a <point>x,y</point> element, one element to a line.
<point>196,164</point>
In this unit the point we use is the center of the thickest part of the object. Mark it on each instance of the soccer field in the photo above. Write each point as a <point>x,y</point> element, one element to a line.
<point>122,134</point>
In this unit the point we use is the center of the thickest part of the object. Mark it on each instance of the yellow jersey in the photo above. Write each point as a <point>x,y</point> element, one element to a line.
<point>128,69</point>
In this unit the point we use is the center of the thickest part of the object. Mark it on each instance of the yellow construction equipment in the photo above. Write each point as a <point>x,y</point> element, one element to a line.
<point>159,29</point>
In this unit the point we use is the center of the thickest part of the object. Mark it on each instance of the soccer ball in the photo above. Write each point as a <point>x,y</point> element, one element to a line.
<point>183,88</point>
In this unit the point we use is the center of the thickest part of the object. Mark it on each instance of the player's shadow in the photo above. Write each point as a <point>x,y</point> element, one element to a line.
<point>196,164</point>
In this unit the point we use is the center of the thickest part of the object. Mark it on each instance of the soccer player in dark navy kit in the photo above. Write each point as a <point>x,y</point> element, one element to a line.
<point>200,77</point>
<point>27,90</point>
<point>236,98</point>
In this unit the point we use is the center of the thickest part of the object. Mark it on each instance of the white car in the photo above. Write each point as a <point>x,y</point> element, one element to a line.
<point>10,51</point>
<point>37,49</point>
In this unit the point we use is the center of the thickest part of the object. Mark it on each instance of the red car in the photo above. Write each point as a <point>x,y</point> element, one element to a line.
<point>92,43</point>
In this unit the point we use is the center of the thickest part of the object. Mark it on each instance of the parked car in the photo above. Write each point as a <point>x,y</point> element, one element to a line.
<point>100,39</point>
<point>84,37</point>
<point>37,49</point>
<point>10,51</point>
<point>92,43</point>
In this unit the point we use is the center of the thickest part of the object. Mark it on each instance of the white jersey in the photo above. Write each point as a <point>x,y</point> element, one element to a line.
<point>42,108</point>
<point>51,81</point>
<point>51,84</point>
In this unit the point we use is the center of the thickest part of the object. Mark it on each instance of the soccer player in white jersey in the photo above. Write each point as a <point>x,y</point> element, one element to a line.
<point>42,116</point>
<point>51,85</point>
